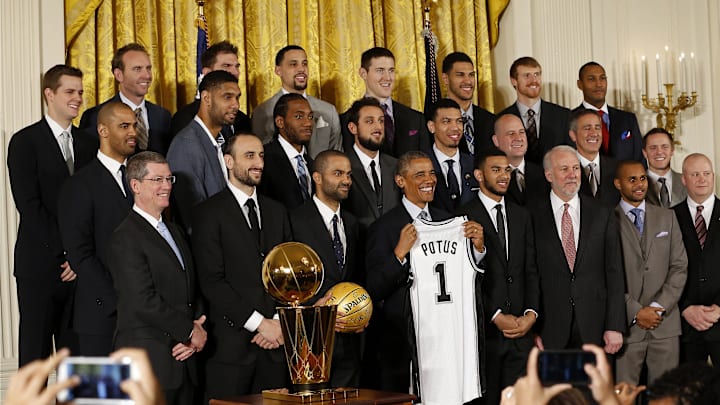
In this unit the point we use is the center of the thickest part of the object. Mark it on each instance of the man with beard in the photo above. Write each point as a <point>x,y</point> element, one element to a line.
<point>599,170</point>
<point>453,167</point>
<point>620,130</point>
<point>527,182</point>
<point>458,74</point>
<point>655,274</point>
<point>665,186</point>
<point>333,234</point>
<point>287,179</point>
<point>291,65</point>
<point>581,273</point>
<point>374,191</point>
<point>92,204</point>
<point>232,233</point>
<point>195,155</point>
<point>510,289</point>
<point>546,124</point>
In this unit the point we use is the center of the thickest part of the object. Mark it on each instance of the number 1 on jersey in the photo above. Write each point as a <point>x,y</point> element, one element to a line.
<point>443,296</point>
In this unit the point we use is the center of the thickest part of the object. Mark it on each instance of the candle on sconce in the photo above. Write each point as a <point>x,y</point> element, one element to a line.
<point>682,85</point>
<point>659,72</point>
<point>644,76</point>
<point>692,72</point>
<point>668,65</point>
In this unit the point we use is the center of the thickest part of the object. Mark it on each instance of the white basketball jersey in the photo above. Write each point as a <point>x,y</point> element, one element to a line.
<point>442,297</point>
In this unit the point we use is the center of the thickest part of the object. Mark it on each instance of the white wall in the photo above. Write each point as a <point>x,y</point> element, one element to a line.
<point>564,34</point>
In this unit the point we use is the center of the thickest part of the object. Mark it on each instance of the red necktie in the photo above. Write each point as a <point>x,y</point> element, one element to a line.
<point>605,132</point>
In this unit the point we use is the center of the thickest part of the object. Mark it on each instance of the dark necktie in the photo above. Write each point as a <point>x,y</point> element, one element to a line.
<point>389,129</point>
<point>376,186</point>
<point>518,178</point>
<point>605,131</point>
<point>252,216</point>
<point>468,131</point>
<point>592,178</point>
<point>142,131</point>
<point>126,188</point>
<point>500,219</point>
<point>664,193</point>
<point>700,227</point>
<point>302,174</point>
<point>531,130</point>
<point>452,183</point>
<point>337,244</point>
<point>568,238</point>
<point>638,220</point>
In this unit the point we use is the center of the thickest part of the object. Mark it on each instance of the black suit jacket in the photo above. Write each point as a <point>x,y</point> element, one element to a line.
<point>389,288</point>
<point>185,115</point>
<point>156,296</point>
<point>279,180</point>
<point>606,192</point>
<point>443,200</point>
<point>37,170</point>
<point>229,261</point>
<point>536,188</point>
<point>554,129</point>
<point>91,206</point>
<point>511,283</point>
<point>361,200</point>
<point>625,136</point>
<point>703,281</point>
<point>411,132</point>
<point>159,136</point>
<point>595,290</point>
<point>483,130</point>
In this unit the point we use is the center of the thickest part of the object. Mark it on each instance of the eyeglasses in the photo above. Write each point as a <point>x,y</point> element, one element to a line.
<point>160,180</point>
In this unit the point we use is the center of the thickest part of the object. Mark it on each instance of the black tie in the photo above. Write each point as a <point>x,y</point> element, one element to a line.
<point>389,129</point>
<point>664,193</point>
<point>500,219</point>
<point>531,130</point>
<point>452,183</point>
<point>337,244</point>
<point>376,186</point>
<point>252,216</point>
<point>126,189</point>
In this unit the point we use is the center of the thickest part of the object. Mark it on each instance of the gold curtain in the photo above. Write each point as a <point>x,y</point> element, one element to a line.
<point>334,34</point>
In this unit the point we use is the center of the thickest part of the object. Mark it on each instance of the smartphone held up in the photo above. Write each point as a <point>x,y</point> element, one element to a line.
<point>100,379</point>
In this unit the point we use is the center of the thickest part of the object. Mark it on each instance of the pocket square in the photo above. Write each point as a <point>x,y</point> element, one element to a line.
<point>321,123</point>
<point>412,132</point>
<point>662,234</point>
<point>626,135</point>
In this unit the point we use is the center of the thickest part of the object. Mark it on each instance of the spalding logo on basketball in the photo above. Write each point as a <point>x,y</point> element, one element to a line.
<point>354,305</point>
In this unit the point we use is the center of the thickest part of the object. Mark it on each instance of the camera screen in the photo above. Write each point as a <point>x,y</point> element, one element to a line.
<point>564,367</point>
<point>99,380</point>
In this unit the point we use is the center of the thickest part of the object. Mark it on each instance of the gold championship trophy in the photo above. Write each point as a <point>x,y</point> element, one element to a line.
<point>292,274</point>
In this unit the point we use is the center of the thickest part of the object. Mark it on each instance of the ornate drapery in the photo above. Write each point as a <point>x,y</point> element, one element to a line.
<point>334,34</point>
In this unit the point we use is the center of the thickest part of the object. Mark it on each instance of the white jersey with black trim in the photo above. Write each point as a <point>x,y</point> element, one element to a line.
<point>443,301</point>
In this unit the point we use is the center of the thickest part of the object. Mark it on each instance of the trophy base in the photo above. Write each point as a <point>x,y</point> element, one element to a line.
<point>304,397</point>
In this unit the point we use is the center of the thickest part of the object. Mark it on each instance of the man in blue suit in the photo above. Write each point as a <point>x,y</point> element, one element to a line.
<point>195,154</point>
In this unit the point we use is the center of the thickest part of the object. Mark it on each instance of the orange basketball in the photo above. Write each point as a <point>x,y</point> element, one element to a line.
<point>354,305</point>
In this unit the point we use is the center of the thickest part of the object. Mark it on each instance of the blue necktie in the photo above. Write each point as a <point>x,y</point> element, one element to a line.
<point>337,244</point>
<point>639,220</point>
<point>302,177</point>
<point>165,232</point>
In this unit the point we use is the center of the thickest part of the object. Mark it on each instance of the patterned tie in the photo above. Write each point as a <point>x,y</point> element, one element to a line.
<point>605,131</point>
<point>66,143</point>
<point>519,179</point>
<point>500,219</point>
<point>424,215</point>
<point>700,227</point>
<point>531,130</point>
<point>452,183</point>
<point>253,218</point>
<point>165,232</point>
<point>126,189</point>
<point>468,131</point>
<point>337,244</point>
<point>638,219</point>
<point>302,174</point>
<point>389,129</point>
<point>664,193</point>
<point>377,187</point>
<point>568,238</point>
<point>142,131</point>
<point>592,179</point>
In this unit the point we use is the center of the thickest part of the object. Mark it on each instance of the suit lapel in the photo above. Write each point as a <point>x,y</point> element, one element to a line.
<point>361,181</point>
<point>210,152</point>
<point>713,226</point>
<point>630,237</point>
<point>586,219</point>
<point>491,234</point>
<point>53,145</point>
<point>156,239</point>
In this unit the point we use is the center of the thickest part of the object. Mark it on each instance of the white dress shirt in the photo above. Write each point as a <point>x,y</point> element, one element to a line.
<point>57,130</point>
<point>113,166</point>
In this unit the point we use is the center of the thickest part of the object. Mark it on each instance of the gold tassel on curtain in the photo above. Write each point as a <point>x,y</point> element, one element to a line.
<point>333,33</point>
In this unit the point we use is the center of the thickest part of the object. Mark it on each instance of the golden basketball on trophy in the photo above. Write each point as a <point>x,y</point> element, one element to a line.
<point>292,273</point>
<point>354,305</point>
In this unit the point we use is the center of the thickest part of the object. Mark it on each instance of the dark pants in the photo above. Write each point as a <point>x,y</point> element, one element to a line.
<point>224,380</point>
<point>699,350</point>
<point>506,361</point>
